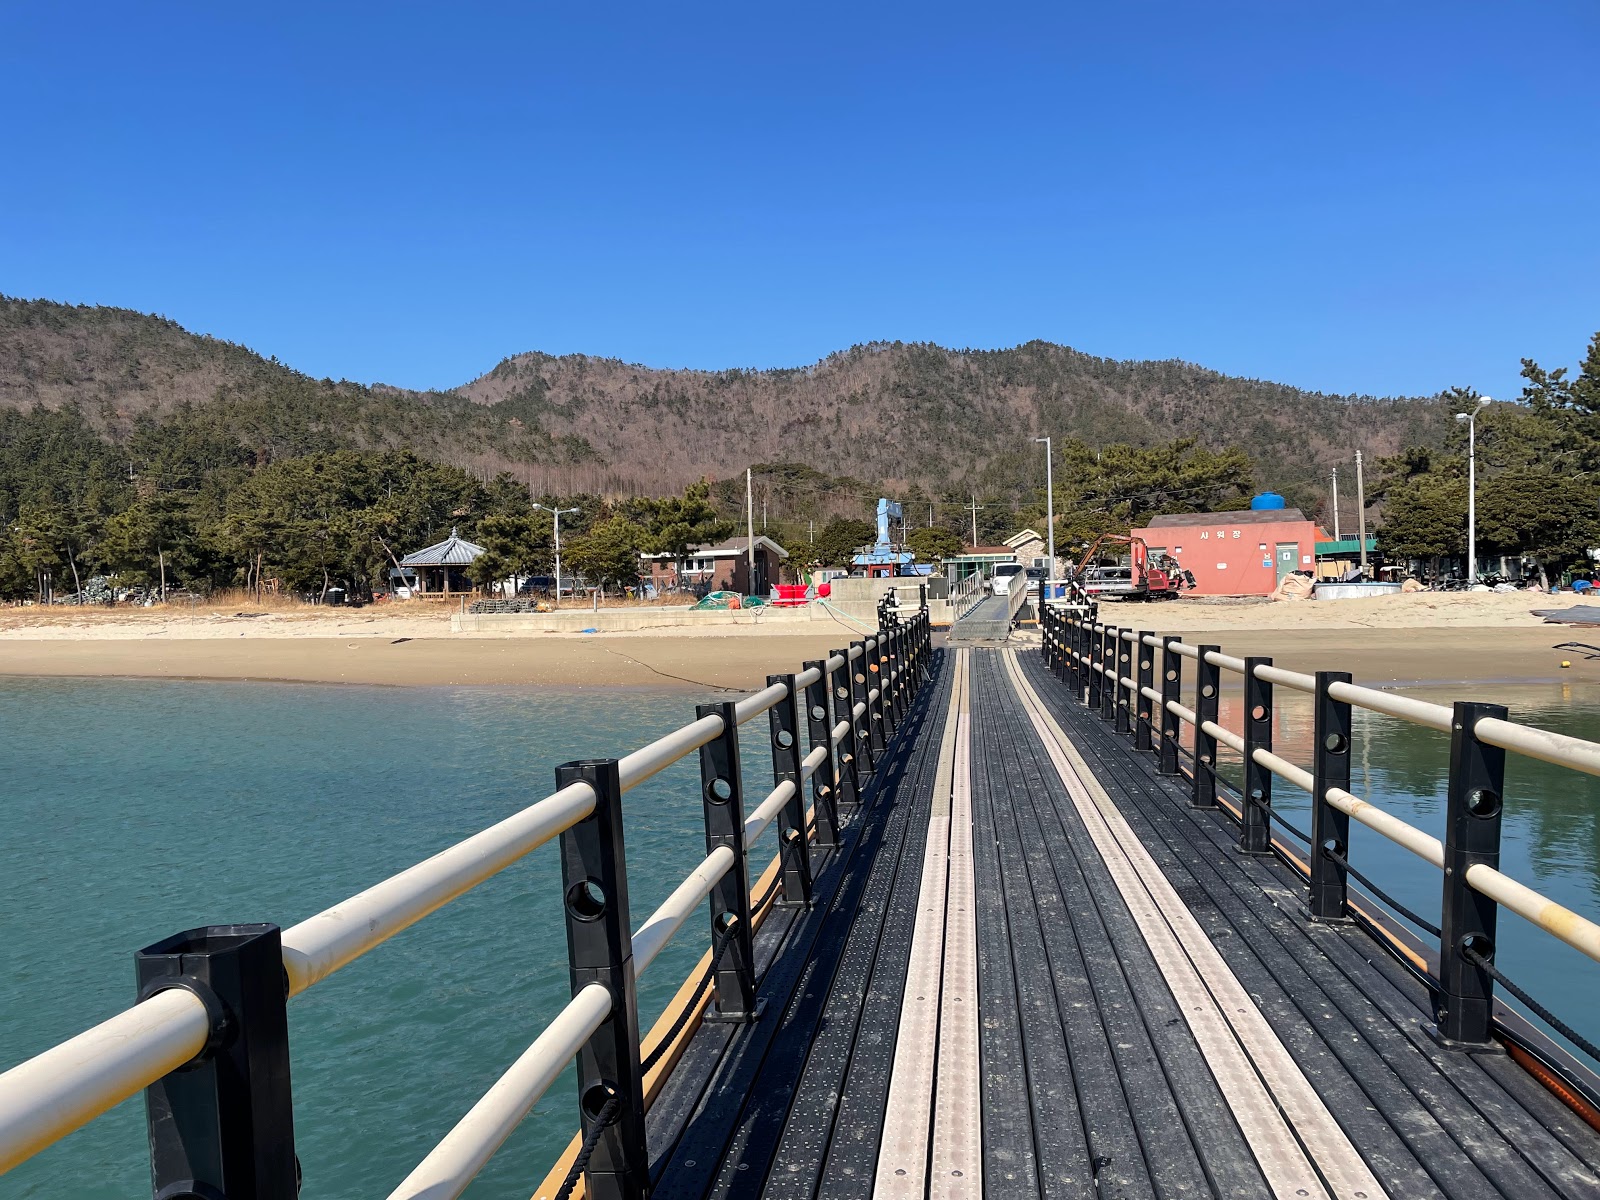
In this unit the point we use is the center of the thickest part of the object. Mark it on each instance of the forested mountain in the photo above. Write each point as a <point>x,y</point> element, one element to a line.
<point>889,415</point>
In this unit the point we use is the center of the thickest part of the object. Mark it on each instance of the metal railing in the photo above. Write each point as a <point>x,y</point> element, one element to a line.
<point>207,1040</point>
<point>1093,660</point>
<point>966,595</point>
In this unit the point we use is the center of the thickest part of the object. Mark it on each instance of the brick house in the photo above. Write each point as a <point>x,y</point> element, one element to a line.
<point>724,566</point>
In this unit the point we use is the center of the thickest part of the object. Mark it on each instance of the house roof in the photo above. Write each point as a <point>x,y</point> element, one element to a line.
<point>736,546</point>
<point>1020,538</point>
<point>454,551</point>
<point>1245,516</point>
<point>732,548</point>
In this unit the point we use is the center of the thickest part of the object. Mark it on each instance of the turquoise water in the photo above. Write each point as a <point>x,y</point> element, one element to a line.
<point>137,809</point>
<point>1550,835</point>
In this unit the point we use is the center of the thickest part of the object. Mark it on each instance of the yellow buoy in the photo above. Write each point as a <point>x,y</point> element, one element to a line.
<point>1566,662</point>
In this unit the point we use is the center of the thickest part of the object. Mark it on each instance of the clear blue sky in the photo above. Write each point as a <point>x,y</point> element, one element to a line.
<point>1373,197</point>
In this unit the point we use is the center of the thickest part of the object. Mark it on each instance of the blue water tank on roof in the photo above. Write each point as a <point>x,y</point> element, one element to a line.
<point>1267,500</point>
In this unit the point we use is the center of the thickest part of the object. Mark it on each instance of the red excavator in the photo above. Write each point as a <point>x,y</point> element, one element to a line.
<point>1134,575</point>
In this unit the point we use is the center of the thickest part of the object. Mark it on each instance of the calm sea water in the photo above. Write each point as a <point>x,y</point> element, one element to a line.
<point>137,809</point>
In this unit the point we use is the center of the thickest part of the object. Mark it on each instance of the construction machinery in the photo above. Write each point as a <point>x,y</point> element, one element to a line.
<point>1133,575</point>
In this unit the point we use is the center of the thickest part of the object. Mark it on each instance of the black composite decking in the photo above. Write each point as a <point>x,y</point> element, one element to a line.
<point>1092,1083</point>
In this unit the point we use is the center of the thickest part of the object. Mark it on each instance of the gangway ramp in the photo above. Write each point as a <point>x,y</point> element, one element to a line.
<point>989,620</point>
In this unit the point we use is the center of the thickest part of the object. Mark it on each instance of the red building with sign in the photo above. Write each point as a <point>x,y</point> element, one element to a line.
<point>1241,553</point>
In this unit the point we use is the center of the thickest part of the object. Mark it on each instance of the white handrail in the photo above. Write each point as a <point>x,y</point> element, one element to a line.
<point>1424,846</point>
<point>755,705</point>
<point>810,763</point>
<point>1418,712</point>
<point>767,811</point>
<point>1562,923</point>
<point>1224,735</point>
<point>1226,662</point>
<point>1542,744</point>
<point>48,1096</point>
<point>337,936</point>
<point>651,937</point>
<point>1293,680</point>
<point>453,1164</point>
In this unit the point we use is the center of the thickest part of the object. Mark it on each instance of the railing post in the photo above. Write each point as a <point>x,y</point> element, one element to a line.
<point>1144,678</point>
<point>861,726</point>
<point>1108,673</point>
<point>844,710</point>
<point>825,779</point>
<point>1473,808</point>
<point>223,1124</point>
<point>1075,645</point>
<point>594,879</point>
<point>722,797</point>
<point>1171,693</point>
<point>1207,694</point>
<point>1094,648</point>
<point>1330,828</point>
<point>875,719</point>
<point>1124,668</point>
<point>1255,814</point>
<point>794,845</point>
<point>886,682</point>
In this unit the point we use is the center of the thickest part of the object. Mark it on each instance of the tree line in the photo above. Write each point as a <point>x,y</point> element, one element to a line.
<point>1538,466</point>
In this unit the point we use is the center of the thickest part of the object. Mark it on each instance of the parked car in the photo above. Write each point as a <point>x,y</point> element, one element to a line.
<point>1036,578</point>
<point>1004,575</point>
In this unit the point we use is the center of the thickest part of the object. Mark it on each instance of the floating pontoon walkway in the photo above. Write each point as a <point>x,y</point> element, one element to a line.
<point>1033,969</point>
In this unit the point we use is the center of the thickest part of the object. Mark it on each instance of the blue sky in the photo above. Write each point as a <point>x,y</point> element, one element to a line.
<point>1367,197</point>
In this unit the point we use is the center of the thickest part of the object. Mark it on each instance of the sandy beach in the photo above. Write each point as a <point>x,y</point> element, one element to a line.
<point>1427,638</point>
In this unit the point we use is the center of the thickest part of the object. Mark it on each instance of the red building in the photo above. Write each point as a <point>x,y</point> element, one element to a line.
<point>1241,553</point>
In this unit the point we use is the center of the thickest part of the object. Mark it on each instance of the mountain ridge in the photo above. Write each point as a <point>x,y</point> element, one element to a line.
<point>890,413</point>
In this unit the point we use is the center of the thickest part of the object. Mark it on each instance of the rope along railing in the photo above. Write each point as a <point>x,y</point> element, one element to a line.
<point>1091,659</point>
<point>207,1039</point>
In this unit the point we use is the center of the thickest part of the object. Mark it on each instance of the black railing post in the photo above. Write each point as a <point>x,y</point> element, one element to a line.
<point>1143,679</point>
<point>861,725</point>
<point>594,879</point>
<point>875,707</point>
<point>1092,650</point>
<point>1108,674</point>
<point>890,687</point>
<point>1077,644</point>
<point>223,1124</point>
<point>825,779</point>
<point>1473,808</point>
<point>1124,691</point>
<point>1207,697</point>
<point>844,710</point>
<point>794,845</point>
<point>1171,692</point>
<point>1255,814</point>
<point>722,797</point>
<point>1330,828</point>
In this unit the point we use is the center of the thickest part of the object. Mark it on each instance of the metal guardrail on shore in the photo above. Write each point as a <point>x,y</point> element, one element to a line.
<point>208,1040</point>
<point>1134,680</point>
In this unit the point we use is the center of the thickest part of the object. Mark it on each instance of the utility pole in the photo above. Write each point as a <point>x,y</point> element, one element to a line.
<point>811,532</point>
<point>930,514</point>
<point>556,512</point>
<point>1336,504</point>
<point>1361,513</point>
<point>750,529</point>
<point>975,507</point>
<point>1049,504</point>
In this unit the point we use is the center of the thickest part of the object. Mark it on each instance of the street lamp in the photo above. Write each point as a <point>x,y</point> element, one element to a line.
<point>1049,504</point>
<point>1471,419</point>
<point>557,513</point>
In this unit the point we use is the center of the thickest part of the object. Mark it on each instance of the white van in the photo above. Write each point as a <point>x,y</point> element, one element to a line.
<point>1004,575</point>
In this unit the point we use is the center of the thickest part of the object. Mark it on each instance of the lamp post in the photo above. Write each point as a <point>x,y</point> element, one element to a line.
<point>557,513</point>
<point>1049,504</point>
<point>1471,419</point>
